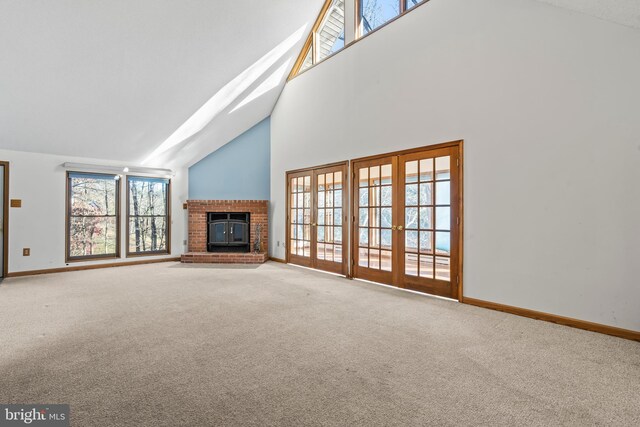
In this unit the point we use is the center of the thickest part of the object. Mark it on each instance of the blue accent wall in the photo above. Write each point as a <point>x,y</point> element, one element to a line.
<point>239,170</point>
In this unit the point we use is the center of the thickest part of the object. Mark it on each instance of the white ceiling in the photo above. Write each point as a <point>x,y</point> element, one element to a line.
<point>115,79</point>
<point>625,12</point>
<point>118,79</point>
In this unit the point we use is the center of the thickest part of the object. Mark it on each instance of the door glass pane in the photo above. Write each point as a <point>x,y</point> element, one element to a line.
<point>426,170</point>
<point>385,260</point>
<point>374,237</point>
<point>337,217</point>
<point>411,241</point>
<point>385,238</point>
<point>411,218</point>
<point>374,196</point>
<point>443,218</point>
<point>328,252</point>
<point>443,168</point>
<point>411,264</point>
<point>337,198</point>
<point>364,237</point>
<point>320,233</point>
<point>426,242</point>
<point>320,251</point>
<point>385,172</point>
<point>411,195</point>
<point>364,197</point>
<point>426,218</point>
<point>385,196</point>
<point>443,268</point>
<point>411,172</point>
<point>374,175</point>
<point>363,257</point>
<point>385,217</point>
<point>443,243</point>
<point>364,177</point>
<point>329,181</point>
<point>426,194</point>
<point>337,180</point>
<point>374,218</point>
<point>443,193</point>
<point>426,266</point>
<point>337,252</point>
<point>364,217</point>
<point>374,259</point>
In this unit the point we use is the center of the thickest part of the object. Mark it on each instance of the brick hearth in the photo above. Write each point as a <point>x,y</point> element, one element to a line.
<point>197,212</point>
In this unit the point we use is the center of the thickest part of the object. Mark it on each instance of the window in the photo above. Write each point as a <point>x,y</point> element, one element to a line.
<point>308,60</point>
<point>410,3</point>
<point>330,36</point>
<point>92,216</point>
<point>374,13</point>
<point>147,215</point>
<point>328,32</point>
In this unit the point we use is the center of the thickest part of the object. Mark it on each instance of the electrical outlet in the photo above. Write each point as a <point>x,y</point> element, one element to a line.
<point>26,251</point>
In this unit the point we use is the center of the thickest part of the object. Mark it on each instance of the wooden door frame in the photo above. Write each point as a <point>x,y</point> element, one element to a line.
<point>460,200</point>
<point>346,196</point>
<point>5,220</point>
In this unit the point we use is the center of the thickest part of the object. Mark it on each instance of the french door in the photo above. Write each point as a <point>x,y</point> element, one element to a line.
<point>406,222</point>
<point>317,218</point>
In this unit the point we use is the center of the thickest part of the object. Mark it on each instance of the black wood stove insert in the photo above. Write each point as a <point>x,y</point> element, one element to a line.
<point>228,232</point>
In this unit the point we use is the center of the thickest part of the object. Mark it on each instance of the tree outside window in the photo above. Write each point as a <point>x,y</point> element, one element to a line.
<point>92,220</point>
<point>147,215</point>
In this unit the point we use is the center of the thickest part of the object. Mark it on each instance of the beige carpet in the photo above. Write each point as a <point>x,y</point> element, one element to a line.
<point>173,345</point>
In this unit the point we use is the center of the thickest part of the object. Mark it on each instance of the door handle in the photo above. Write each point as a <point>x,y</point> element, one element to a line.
<point>394,227</point>
<point>400,228</point>
<point>314,225</point>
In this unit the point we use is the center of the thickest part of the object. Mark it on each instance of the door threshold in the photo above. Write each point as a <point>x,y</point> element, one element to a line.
<point>424,294</point>
<point>318,270</point>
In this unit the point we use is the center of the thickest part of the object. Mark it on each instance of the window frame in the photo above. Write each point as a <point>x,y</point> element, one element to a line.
<point>128,216</point>
<point>359,29</point>
<point>357,36</point>
<point>68,257</point>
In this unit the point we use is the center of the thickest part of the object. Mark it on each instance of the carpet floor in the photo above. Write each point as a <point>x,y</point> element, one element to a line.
<point>177,345</point>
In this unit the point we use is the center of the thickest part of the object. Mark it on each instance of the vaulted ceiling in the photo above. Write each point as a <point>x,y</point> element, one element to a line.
<point>118,79</point>
<point>158,82</point>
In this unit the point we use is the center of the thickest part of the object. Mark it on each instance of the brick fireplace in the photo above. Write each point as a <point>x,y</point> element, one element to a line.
<point>198,213</point>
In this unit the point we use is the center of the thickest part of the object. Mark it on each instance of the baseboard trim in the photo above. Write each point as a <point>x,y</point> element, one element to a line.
<point>90,267</point>
<point>566,321</point>
<point>280,260</point>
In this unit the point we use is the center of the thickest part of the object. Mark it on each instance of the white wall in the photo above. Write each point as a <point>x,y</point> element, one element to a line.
<point>39,180</point>
<point>547,102</point>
